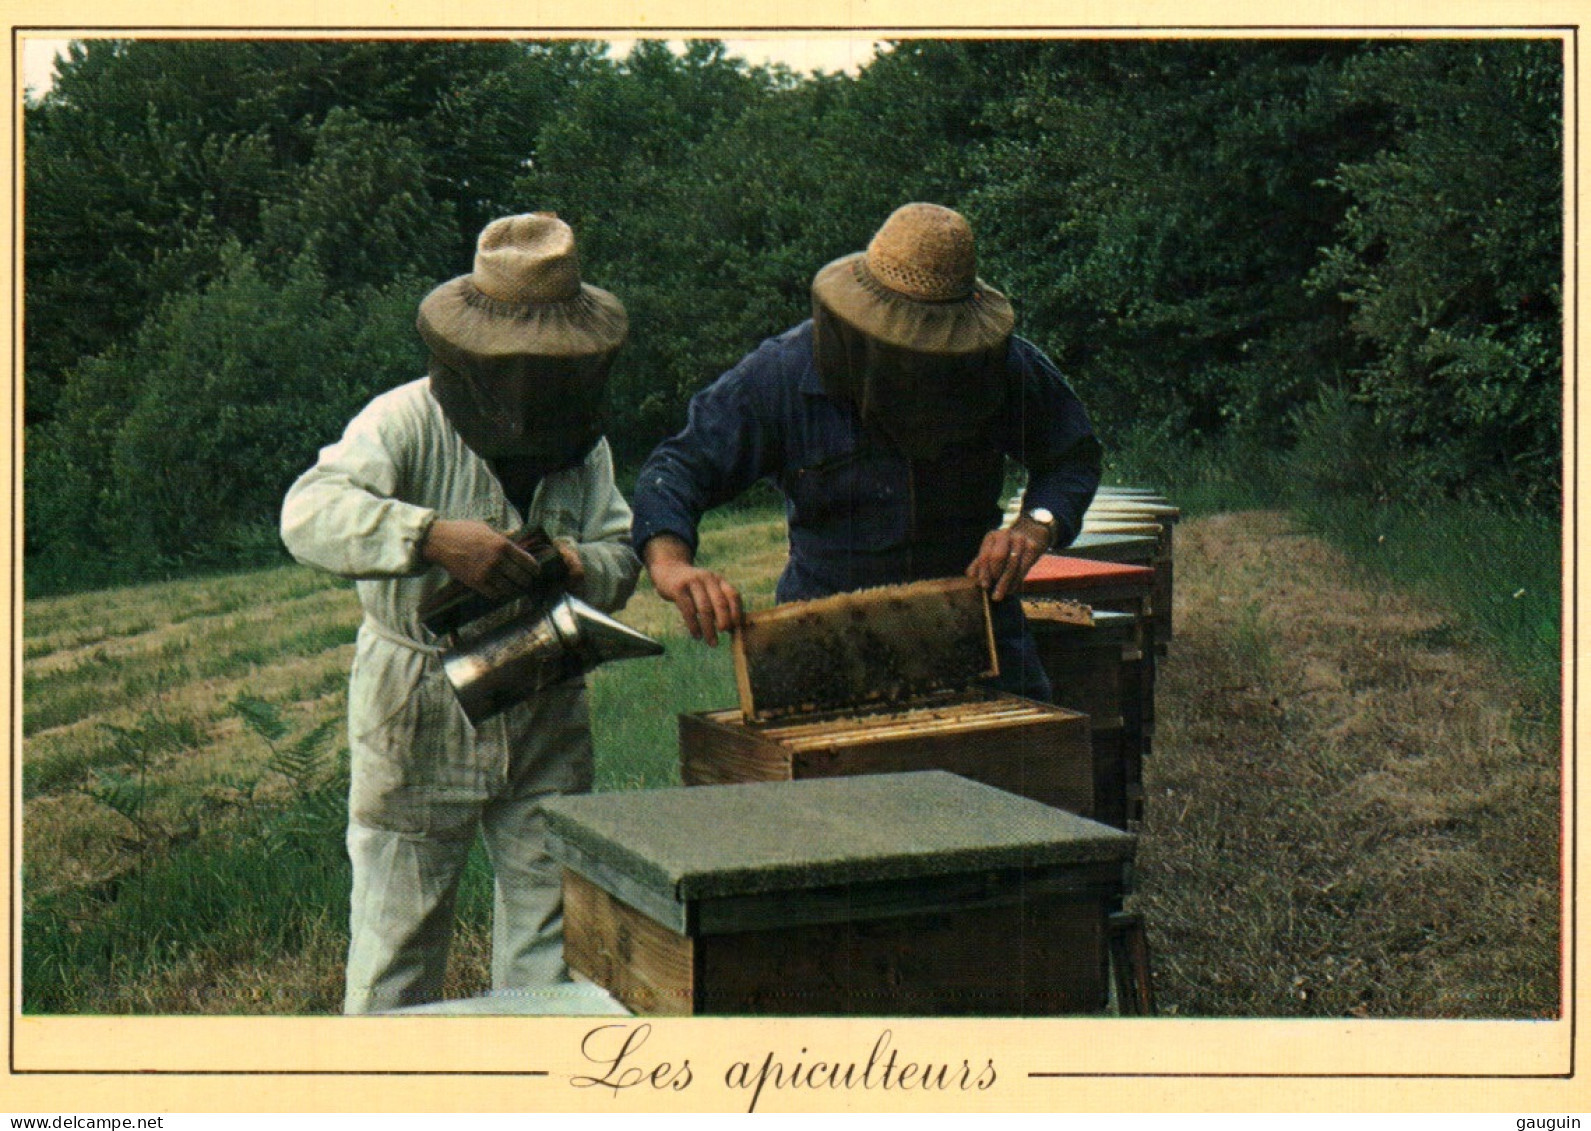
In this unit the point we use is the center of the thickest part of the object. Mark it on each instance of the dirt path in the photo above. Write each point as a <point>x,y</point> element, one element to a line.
<point>1347,813</point>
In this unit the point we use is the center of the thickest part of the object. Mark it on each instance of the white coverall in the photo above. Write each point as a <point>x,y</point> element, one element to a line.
<point>424,779</point>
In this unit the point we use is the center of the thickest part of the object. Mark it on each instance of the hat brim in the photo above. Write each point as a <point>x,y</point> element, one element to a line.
<point>981,321</point>
<point>461,324</point>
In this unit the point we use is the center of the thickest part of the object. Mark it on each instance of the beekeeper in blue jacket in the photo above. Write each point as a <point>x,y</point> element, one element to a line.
<point>886,421</point>
<point>426,484</point>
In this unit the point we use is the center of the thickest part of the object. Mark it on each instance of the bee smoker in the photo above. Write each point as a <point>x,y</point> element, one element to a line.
<point>498,653</point>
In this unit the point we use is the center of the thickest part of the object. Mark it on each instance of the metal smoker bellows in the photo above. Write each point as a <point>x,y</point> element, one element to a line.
<point>513,662</point>
<point>493,663</point>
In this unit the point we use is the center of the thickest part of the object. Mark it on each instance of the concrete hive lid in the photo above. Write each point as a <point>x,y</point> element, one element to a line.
<point>1101,546</point>
<point>723,840</point>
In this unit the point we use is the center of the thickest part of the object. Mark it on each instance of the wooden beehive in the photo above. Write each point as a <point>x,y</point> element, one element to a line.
<point>891,894</point>
<point>1119,513</point>
<point>1131,526</point>
<point>884,681</point>
<point>1098,584</point>
<point>1032,749</point>
<point>1127,589</point>
<point>1096,669</point>
<point>1126,549</point>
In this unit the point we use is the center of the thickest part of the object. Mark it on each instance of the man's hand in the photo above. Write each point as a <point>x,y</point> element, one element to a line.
<point>1006,556</point>
<point>480,557</point>
<point>706,602</point>
<point>572,561</point>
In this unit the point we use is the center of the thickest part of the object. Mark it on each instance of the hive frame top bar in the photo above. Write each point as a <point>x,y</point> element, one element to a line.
<point>863,648</point>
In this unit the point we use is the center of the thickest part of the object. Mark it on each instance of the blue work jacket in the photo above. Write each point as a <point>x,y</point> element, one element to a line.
<point>859,512</point>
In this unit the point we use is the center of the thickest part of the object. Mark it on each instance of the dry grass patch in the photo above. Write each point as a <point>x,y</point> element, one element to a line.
<point>1346,814</point>
<point>131,694</point>
<point>72,841</point>
<point>1348,811</point>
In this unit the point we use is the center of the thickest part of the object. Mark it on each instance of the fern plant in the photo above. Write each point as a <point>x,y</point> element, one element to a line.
<point>315,806</point>
<point>123,784</point>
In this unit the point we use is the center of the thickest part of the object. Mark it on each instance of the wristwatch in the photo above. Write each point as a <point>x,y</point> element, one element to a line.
<point>1044,518</point>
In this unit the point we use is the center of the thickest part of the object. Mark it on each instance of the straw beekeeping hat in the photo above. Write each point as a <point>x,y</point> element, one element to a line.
<point>916,286</point>
<point>525,297</point>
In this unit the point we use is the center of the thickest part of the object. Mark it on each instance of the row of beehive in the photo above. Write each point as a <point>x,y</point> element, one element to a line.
<point>1121,566</point>
<point>963,898</point>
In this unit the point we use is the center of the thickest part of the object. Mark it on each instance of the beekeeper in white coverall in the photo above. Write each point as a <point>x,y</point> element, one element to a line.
<point>504,432</point>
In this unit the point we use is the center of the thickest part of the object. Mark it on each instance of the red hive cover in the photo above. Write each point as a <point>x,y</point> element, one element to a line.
<point>1053,573</point>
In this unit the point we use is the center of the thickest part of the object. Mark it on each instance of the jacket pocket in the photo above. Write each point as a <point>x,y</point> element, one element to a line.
<point>863,496</point>
<point>412,750</point>
<point>427,736</point>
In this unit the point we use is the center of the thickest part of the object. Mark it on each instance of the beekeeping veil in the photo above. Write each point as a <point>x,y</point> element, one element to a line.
<point>521,347</point>
<point>908,333</point>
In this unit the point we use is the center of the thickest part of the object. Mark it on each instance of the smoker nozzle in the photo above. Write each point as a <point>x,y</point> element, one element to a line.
<point>514,662</point>
<point>601,638</point>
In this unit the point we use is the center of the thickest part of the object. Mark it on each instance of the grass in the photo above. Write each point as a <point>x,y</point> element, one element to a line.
<point>152,736</point>
<point>1201,481</point>
<point>1501,574</point>
<point>1346,814</point>
<point>210,880</point>
<point>639,749</point>
<point>1343,815</point>
<point>171,864</point>
<point>1252,639</point>
<point>212,901</point>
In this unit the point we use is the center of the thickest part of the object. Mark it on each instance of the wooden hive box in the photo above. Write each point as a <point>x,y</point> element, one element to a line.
<point>1125,512</point>
<point>891,894</point>
<point>1096,669</point>
<point>1131,526</point>
<point>1103,585</point>
<point>885,681</point>
<point>1098,584</point>
<point>1032,749</point>
<point>1121,588</point>
<point>1139,550</point>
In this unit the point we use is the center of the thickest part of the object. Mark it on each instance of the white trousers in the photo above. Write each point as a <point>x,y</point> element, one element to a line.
<point>401,918</point>
<point>409,845</point>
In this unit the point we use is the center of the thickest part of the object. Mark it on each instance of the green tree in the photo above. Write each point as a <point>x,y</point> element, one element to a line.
<point>362,210</point>
<point>1355,241</point>
<point>623,165</point>
<point>1154,209</point>
<point>212,226</point>
<point>1451,258</point>
<point>707,193</point>
<point>148,156</point>
<point>119,182</point>
<point>218,404</point>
